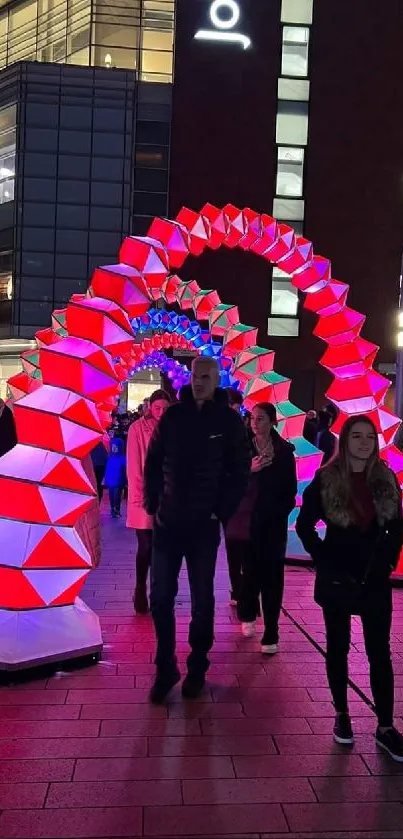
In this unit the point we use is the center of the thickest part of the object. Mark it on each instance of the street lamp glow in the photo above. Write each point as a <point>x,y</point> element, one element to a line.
<point>400,339</point>
<point>400,320</point>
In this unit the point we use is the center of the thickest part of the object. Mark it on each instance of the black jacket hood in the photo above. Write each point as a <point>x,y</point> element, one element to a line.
<point>186,395</point>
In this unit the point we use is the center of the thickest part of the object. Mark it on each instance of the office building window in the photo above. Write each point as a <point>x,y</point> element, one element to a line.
<point>297,11</point>
<point>7,153</point>
<point>290,171</point>
<point>127,34</point>
<point>288,209</point>
<point>292,123</point>
<point>284,297</point>
<point>283,327</point>
<point>295,51</point>
<point>291,138</point>
<point>293,90</point>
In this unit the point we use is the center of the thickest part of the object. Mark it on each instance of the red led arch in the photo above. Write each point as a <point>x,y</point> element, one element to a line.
<point>64,397</point>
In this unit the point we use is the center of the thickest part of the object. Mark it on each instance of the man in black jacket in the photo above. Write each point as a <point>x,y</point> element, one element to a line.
<point>196,473</point>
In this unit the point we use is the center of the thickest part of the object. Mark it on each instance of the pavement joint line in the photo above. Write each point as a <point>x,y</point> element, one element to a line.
<point>320,650</point>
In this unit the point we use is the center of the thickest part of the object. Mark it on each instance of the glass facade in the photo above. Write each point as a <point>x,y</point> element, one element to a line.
<point>291,139</point>
<point>127,34</point>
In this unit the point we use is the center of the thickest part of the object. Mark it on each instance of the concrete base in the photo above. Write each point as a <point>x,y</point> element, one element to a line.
<point>41,636</point>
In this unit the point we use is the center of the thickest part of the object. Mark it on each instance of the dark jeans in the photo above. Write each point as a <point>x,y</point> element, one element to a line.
<point>376,617</point>
<point>199,547</point>
<point>115,498</point>
<point>236,549</point>
<point>263,574</point>
<point>143,556</point>
<point>99,476</point>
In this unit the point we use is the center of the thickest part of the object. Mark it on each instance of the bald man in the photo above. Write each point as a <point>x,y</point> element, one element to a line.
<point>196,474</point>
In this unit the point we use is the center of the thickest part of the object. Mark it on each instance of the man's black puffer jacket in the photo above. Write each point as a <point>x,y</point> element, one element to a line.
<point>197,464</point>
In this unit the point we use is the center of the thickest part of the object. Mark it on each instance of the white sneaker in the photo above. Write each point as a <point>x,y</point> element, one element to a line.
<point>269,649</point>
<point>248,629</point>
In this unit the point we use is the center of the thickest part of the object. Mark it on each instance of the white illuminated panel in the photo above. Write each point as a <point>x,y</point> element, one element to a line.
<point>224,17</point>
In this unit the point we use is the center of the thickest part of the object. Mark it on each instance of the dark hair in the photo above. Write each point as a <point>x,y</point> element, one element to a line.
<point>234,396</point>
<point>160,395</point>
<point>269,409</point>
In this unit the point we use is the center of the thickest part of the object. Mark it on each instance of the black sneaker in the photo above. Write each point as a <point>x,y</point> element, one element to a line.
<point>342,731</point>
<point>193,685</point>
<point>392,741</point>
<point>162,686</point>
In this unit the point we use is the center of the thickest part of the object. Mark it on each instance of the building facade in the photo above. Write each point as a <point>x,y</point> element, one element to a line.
<point>304,122</point>
<point>85,115</point>
<point>113,113</point>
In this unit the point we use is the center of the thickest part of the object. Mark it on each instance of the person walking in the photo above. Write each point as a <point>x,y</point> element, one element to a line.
<point>270,499</point>
<point>138,440</point>
<point>99,457</point>
<point>115,475</point>
<point>311,427</point>
<point>196,472</point>
<point>325,439</point>
<point>234,536</point>
<point>360,501</point>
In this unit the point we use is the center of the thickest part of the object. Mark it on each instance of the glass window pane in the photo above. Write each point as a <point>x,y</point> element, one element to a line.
<point>288,209</point>
<point>295,51</point>
<point>52,30</point>
<point>284,298</point>
<point>293,89</point>
<point>153,62</point>
<point>296,11</point>
<point>152,157</point>
<point>290,170</point>
<point>111,57</point>
<point>152,40</point>
<point>7,153</point>
<point>292,123</point>
<point>22,32</point>
<point>283,327</point>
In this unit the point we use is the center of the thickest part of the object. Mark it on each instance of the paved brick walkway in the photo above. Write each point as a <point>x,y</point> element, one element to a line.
<point>85,755</point>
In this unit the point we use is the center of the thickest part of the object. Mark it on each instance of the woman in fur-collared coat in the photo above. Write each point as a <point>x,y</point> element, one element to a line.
<point>358,497</point>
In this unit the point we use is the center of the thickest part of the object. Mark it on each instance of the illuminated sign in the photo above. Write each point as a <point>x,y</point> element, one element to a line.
<point>224,17</point>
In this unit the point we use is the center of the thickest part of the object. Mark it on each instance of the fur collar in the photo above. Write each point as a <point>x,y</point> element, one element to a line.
<point>383,486</point>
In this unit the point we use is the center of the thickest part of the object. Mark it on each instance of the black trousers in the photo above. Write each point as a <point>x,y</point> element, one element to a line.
<point>236,551</point>
<point>376,617</point>
<point>263,574</point>
<point>143,556</point>
<point>115,498</point>
<point>99,476</point>
<point>199,547</point>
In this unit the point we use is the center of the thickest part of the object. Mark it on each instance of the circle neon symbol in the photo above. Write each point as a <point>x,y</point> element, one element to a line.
<point>230,6</point>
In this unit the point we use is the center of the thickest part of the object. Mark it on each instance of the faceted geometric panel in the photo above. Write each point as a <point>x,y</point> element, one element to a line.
<point>102,322</point>
<point>123,285</point>
<point>174,237</point>
<point>148,256</point>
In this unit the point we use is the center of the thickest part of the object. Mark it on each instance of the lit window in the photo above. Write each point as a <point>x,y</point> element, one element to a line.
<point>293,89</point>
<point>292,123</point>
<point>7,153</point>
<point>284,297</point>
<point>288,209</point>
<point>283,327</point>
<point>297,11</point>
<point>290,170</point>
<point>295,51</point>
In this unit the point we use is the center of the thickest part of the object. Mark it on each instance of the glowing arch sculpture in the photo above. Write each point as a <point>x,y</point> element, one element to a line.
<point>70,384</point>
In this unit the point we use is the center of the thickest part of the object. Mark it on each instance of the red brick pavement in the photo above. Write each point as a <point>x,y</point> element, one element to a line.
<point>84,755</point>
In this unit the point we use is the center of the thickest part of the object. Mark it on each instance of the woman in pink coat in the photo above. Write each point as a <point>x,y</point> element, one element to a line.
<point>138,438</point>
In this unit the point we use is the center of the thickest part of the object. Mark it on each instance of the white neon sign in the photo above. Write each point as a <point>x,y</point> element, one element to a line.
<point>224,16</point>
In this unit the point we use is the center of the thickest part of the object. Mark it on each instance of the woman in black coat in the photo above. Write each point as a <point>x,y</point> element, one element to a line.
<point>262,523</point>
<point>359,499</point>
